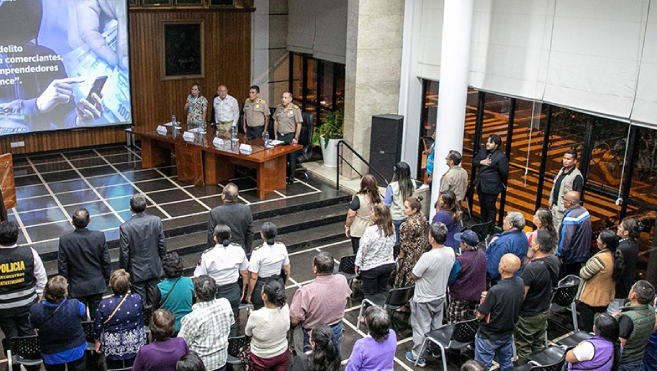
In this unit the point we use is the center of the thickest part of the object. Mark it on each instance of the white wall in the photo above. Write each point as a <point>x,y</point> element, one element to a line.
<point>318,27</point>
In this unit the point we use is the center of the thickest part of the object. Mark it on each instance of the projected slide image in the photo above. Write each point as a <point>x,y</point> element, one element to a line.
<point>63,64</point>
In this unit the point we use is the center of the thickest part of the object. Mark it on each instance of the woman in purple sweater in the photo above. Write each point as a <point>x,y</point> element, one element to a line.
<point>165,351</point>
<point>448,212</point>
<point>377,351</point>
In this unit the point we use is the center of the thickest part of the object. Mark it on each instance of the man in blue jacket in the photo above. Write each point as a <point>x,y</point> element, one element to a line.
<point>512,240</point>
<point>574,235</point>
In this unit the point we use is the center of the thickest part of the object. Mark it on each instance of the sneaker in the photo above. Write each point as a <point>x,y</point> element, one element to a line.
<point>420,362</point>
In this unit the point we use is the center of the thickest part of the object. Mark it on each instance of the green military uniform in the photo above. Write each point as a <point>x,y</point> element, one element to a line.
<point>255,114</point>
<point>286,122</point>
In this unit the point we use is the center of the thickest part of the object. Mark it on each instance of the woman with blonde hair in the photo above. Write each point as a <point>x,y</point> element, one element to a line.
<point>360,209</point>
<point>374,260</point>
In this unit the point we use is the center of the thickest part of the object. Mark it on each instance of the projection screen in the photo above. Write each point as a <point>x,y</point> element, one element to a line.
<point>63,64</point>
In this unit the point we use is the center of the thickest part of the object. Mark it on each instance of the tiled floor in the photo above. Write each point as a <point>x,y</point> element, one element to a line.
<point>49,187</point>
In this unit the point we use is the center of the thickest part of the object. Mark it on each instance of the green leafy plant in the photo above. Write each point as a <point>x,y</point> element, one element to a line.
<point>331,128</point>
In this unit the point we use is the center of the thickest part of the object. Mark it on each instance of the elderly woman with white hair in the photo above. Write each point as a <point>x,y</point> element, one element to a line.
<point>512,240</point>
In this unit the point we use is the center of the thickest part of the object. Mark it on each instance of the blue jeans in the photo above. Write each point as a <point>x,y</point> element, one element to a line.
<point>501,350</point>
<point>397,224</point>
<point>650,358</point>
<point>631,366</point>
<point>337,337</point>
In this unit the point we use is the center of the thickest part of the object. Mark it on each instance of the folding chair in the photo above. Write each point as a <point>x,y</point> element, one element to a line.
<point>347,268</point>
<point>24,350</point>
<point>397,298</point>
<point>483,231</point>
<point>235,345</point>
<point>452,336</point>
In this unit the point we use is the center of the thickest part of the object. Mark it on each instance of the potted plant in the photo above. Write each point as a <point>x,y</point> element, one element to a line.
<point>328,135</point>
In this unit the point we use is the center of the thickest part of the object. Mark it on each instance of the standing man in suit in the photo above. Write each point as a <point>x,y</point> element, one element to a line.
<point>83,259</point>
<point>236,216</point>
<point>493,174</point>
<point>142,249</point>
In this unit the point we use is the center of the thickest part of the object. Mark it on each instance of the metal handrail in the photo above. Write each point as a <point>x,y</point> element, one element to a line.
<point>339,156</point>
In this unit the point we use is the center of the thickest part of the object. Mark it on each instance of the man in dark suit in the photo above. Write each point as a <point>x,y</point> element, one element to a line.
<point>493,173</point>
<point>235,215</point>
<point>142,249</point>
<point>83,259</point>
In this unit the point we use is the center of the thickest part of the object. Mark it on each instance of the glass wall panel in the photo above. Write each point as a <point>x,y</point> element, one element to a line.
<point>326,96</point>
<point>429,117</point>
<point>297,76</point>
<point>312,67</point>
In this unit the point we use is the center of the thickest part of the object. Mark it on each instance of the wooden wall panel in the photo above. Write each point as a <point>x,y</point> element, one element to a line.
<point>227,37</point>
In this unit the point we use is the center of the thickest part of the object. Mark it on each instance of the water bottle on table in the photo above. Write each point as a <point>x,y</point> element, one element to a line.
<point>266,139</point>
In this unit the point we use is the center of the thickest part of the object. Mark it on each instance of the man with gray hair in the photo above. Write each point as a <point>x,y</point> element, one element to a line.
<point>455,178</point>
<point>235,215</point>
<point>141,249</point>
<point>207,327</point>
<point>431,273</point>
<point>512,240</point>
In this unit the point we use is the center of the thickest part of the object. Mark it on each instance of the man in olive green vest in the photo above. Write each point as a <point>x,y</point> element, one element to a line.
<point>568,179</point>
<point>636,321</point>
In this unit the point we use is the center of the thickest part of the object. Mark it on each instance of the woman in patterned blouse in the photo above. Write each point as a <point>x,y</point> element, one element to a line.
<point>413,240</point>
<point>196,107</point>
<point>119,324</point>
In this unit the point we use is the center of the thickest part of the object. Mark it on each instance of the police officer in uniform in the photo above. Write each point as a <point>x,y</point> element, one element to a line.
<point>287,126</point>
<point>256,114</point>
<point>22,279</point>
<point>269,261</point>
<point>225,262</point>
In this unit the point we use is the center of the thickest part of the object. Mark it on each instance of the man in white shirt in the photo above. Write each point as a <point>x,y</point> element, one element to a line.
<point>225,112</point>
<point>431,273</point>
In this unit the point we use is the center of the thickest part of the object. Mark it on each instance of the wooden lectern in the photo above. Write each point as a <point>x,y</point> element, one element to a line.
<point>7,187</point>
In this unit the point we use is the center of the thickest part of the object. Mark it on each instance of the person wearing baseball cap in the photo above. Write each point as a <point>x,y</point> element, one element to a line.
<point>468,278</point>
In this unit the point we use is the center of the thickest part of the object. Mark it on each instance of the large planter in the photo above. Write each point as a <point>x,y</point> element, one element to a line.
<point>330,152</point>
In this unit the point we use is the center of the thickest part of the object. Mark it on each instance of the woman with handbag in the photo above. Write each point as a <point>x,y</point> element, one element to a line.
<point>174,293</point>
<point>119,324</point>
<point>360,209</point>
<point>59,322</point>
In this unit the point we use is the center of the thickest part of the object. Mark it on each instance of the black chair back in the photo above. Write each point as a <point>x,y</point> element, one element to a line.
<point>26,347</point>
<point>483,230</point>
<point>148,313</point>
<point>465,331</point>
<point>400,296</point>
<point>557,366</point>
<point>235,345</point>
<point>347,264</point>
<point>88,327</point>
<point>566,291</point>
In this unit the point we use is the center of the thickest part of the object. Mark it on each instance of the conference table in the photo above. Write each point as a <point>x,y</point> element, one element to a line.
<point>200,161</point>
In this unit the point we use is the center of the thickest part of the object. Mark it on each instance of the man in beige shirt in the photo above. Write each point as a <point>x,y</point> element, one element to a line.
<point>455,178</point>
<point>287,128</point>
<point>256,114</point>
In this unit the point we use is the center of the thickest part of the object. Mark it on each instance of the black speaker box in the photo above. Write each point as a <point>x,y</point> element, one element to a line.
<point>386,144</point>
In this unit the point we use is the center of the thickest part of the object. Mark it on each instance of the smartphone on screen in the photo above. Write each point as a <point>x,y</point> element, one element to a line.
<point>97,87</point>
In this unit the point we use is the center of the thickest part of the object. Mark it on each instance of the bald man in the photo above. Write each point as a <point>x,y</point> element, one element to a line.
<point>574,235</point>
<point>225,112</point>
<point>500,310</point>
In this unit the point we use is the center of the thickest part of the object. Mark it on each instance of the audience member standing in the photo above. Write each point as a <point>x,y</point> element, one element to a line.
<point>18,296</point>
<point>324,353</point>
<point>267,328</point>
<point>574,235</point>
<point>142,249</point>
<point>225,263</point>
<point>599,277</point>
<point>225,112</point>
<point>467,280</point>
<point>375,352</point>
<point>165,350</point>
<point>236,216</point>
<point>59,321</point>
<point>502,306</point>
<point>321,301</point>
<point>175,293</point>
<point>206,329</point>
<point>636,323</point>
<point>401,188</point>
<point>448,213</point>
<point>256,114</point>
<point>650,355</point>
<point>83,259</point>
<point>568,179</point>
<point>413,241</point>
<point>360,210</point>
<point>601,352</point>
<point>628,231</point>
<point>539,277</point>
<point>432,273</point>
<point>512,240</point>
<point>119,324</point>
<point>268,262</point>
<point>493,173</point>
<point>455,179</point>
<point>374,261</point>
<point>542,220</point>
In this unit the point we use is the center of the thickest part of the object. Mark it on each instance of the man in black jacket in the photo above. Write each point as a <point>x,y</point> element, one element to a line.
<point>493,174</point>
<point>142,249</point>
<point>83,259</point>
<point>236,216</point>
